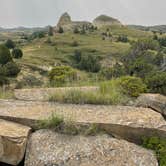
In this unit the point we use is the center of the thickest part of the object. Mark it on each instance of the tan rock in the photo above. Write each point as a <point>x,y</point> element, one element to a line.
<point>67,24</point>
<point>47,148</point>
<point>104,20</point>
<point>155,101</point>
<point>13,139</point>
<point>130,123</point>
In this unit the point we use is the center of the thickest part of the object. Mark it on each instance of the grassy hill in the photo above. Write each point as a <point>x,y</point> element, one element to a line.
<point>40,54</point>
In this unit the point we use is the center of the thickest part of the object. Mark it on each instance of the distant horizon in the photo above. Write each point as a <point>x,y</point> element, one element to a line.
<point>34,13</point>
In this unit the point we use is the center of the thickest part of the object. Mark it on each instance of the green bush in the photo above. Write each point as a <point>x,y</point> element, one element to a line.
<point>112,72</point>
<point>11,69</point>
<point>132,86</point>
<point>3,80</point>
<point>55,122</point>
<point>60,30</point>
<point>74,44</point>
<point>156,82</point>
<point>10,44</point>
<point>123,38</point>
<point>29,81</point>
<point>17,53</point>
<point>60,75</point>
<point>5,56</point>
<point>159,146</point>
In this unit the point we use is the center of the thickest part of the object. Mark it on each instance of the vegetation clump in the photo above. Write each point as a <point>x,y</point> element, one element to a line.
<point>60,75</point>
<point>17,53</point>
<point>159,146</point>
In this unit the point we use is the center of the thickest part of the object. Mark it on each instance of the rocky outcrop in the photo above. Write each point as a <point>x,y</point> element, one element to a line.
<point>104,20</point>
<point>155,101</point>
<point>64,20</point>
<point>13,139</point>
<point>67,24</point>
<point>43,94</point>
<point>84,151</point>
<point>130,123</point>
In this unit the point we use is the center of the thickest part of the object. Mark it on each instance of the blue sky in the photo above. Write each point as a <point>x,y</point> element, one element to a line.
<point>32,13</point>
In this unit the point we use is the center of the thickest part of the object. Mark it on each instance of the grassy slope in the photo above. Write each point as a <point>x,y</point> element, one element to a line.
<point>40,53</point>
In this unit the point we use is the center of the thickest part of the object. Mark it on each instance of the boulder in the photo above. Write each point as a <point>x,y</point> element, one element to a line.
<point>47,148</point>
<point>130,123</point>
<point>13,140</point>
<point>155,101</point>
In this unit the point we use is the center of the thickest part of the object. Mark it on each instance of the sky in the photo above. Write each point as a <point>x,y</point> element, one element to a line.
<point>35,13</point>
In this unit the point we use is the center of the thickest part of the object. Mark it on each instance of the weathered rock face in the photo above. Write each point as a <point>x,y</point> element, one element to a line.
<point>130,123</point>
<point>104,20</point>
<point>47,148</point>
<point>154,101</point>
<point>64,20</point>
<point>67,24</point>
<point>13,139</point>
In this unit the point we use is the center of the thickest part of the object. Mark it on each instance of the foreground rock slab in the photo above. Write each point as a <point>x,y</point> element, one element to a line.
<point>155,101</point>
<point>130,123</point>
<point>47,148</point>
<point>43,94</point>
<point>13,140</point>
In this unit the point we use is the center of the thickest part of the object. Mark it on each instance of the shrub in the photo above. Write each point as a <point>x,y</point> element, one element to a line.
<point>37,34</point>
<point>74,44</point>
<point>156,82</point>
<point>5,56</point>
<point>123,38</point>
<point>159,146</point>
<point>29,81</point>
<point>10,44</point>
<point>132,86</point>
<point>76,30</point>
<point>60,30</point>
<point>50,31</point>
<point>89,63</point>
<point>11,69</point>
<point>112,72</point>
<point>3,80</point>
<point>55,121</point>
<point>145,44</point>
<point>17,53</point>
<point>62,74</point>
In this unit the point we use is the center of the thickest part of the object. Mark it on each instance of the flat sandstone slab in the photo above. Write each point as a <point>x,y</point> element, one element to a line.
<point>43,94</point>
<point>13,139</point>
<point>130,123</point>
<point>49,148</point>
<point>155,101</point>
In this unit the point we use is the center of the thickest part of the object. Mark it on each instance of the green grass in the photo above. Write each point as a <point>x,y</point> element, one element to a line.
<point>6,94</point>
<point>108,94</point>
<point>55,121</point>
<point>69,127</point>
<point>159,146</point>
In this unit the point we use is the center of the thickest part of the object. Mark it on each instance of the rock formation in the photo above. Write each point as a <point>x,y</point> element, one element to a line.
<point>156,102</point>
<point>13,139</point>
<point>104,20</point>
<point>130,123</point>
<point>84,151</point>
<point>123,124</point>
<point>67,24</point>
